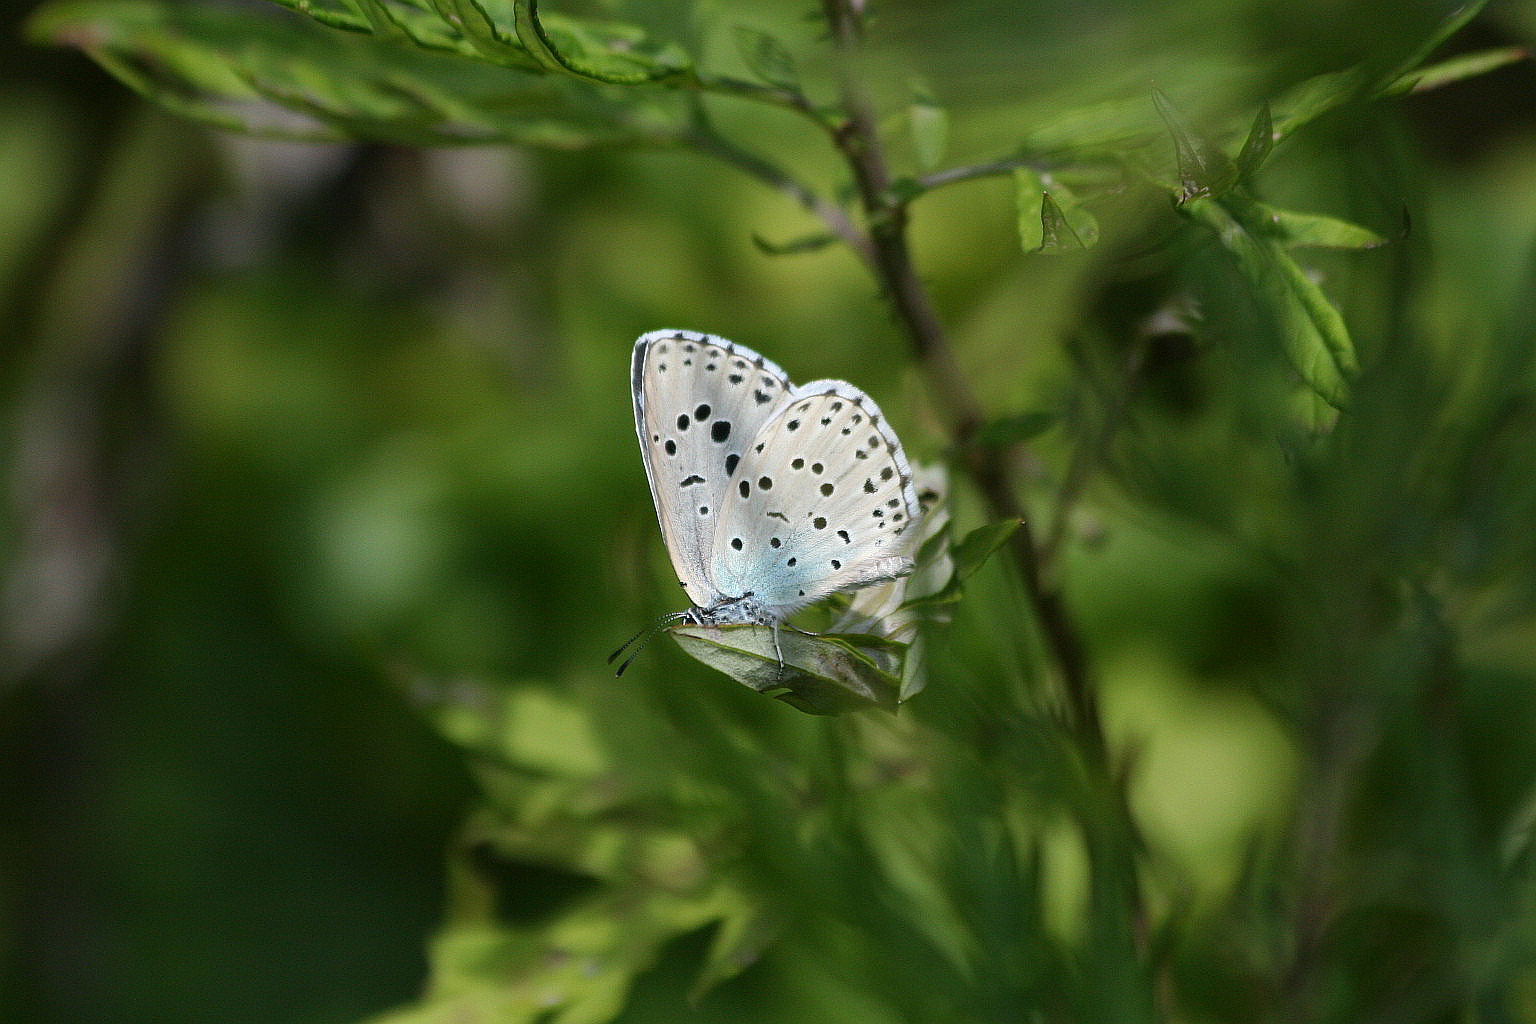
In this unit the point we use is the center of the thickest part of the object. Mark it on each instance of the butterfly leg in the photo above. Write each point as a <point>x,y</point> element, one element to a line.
<point>777,649</point>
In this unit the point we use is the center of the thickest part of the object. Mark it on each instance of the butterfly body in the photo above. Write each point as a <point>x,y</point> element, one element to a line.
<point>770,496</point>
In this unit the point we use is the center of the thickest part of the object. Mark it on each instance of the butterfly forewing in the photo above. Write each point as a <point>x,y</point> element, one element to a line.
<point>821,502</point>
<point>699,401</point>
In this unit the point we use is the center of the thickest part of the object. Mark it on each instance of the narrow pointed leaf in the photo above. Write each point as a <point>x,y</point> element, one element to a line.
<point>1308,230</point>
<point>1466,65</point>
<point>1203,168</point>
<point>806,243</point>
<point>1258,145</point>
<point>1051,221</point>
<point>973,550</point>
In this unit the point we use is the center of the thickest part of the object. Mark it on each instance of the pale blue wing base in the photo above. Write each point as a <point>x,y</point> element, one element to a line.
<point>699,401</point>
<point>820,502</point>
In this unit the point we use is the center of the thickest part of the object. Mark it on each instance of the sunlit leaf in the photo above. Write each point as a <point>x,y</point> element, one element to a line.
<point>1051,220</point>
<point>265,72</point>
<point>1462,66</point>
<point>929,125</point>
<point>1307,230</point>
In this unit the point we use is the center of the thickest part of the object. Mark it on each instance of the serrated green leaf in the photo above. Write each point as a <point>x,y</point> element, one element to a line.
<point>767,58</point>
<point>821,675</point>
<point>929,125</point>
<point>1051,221</point>
<point>1204,169</point>
<point>262,72</point>
<point>806,243</point>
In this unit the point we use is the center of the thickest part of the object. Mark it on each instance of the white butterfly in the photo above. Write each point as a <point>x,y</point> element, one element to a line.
<point>770,496</point>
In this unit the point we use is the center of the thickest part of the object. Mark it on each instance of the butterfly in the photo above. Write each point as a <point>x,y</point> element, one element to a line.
<point>771,496</point>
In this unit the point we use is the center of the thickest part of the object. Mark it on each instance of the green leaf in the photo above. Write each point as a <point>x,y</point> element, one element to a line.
<point>1466,65</point>
<point>739,941</point>
<point>1051,221</point>
<point>607,52</point>
<point>973,550</point>
<point>1258,145</point>
<point>767,58</point>
<point>1204,169</point>
<point>1308,100</point>
<point>929,124</point>
<point>821,675</point>
<point>1458,19</point>
<point>1316,339</point>
<point>806,243</point>
<point>1316,96</point>
<point>1010,430</point>
<point>261,71</point>
<point>1306,230</point>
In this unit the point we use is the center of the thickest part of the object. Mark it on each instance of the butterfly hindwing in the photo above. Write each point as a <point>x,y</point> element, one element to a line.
<point>820,503</point>
<point>699,403</point>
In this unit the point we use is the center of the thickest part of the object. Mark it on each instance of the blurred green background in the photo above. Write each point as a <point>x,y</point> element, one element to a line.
<point>287,426</point>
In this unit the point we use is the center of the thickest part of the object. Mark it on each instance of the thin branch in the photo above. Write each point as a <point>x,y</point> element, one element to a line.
<point>704,138</point>
<point>996,168</point>
<point>859,140</point>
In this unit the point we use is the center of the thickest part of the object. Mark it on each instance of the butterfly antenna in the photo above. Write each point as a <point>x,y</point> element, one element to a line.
<point>649,634</point>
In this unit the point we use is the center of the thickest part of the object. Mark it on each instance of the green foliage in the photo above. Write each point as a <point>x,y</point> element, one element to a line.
<point>1211,692</point>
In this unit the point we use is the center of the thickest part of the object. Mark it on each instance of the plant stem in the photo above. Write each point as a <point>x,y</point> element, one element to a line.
<point>704,138</point>
<point>858,139</point>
